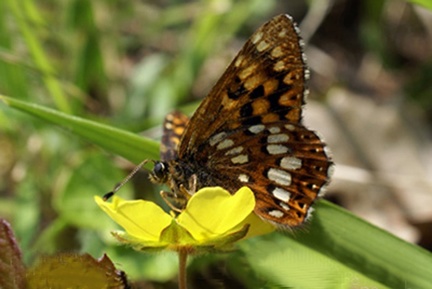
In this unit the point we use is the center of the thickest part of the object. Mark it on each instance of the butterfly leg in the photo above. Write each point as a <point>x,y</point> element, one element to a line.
<point>192,184</point>
<point>178,198</point>
<point>168,198</point>
<point>182,192</point>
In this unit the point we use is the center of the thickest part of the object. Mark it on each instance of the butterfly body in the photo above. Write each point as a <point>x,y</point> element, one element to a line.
<point>248,132</point>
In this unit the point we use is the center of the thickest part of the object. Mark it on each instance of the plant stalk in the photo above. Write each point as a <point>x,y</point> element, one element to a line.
<point>182,283</point>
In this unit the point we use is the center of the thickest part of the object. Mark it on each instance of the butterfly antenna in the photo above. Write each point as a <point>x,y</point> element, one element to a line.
<point>125,180</point>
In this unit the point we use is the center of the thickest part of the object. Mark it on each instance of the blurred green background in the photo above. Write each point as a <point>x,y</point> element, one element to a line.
<point>128,63</point>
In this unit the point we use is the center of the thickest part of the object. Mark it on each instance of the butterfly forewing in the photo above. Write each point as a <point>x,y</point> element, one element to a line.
<point>248,131</point>
<point>264,83</point>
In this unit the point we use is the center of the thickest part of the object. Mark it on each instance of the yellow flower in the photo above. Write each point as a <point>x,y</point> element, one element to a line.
<point>212,219</point>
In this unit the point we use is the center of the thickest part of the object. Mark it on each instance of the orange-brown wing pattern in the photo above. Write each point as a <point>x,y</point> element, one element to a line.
<point>265,83</point>
<point>173,127</point>
<point>286,165</point>
<point>248,131</point>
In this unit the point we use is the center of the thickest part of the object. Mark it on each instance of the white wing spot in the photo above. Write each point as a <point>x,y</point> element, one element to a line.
<point>290,127</point>
<point>297,30</point>
<point>243,178</point>
<point>279,66</point>
<point>284,206</point>
<point>309,213</point>
<point>225,144</point>
<point>280,177</point>
<point>217,138</point>
<point>274,129</point>
<point>282,33</point>
<point>277,149</point>
<point>277,52</point>
<point>240,159</point>
<point>281,194</point>
<point>306,74</point>
<point>246,72</point>
<point>305,93</point>
<point>239,61</point>
<point>256,128</point>
<point>277,138</point>
<point>251,82</point>
<point>276,213</point>
<point>326,149</point>
<point>170,117</point>
<point>330,171</point>
<point>262,46</point>
<point>168,125</point>
<point>234,151</point>
<point>301,41</point>
<point>291,163</point>
<point>257,37</point>
<point>322,191</point>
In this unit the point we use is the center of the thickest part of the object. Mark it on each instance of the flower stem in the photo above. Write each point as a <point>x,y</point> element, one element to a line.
<point>182,269</point>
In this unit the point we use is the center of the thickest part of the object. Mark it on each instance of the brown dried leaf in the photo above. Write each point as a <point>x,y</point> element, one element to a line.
<point>12,271</point>
<point>75,271</point>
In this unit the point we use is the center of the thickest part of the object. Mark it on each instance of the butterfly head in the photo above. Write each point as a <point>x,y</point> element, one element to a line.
<point>159,174</point>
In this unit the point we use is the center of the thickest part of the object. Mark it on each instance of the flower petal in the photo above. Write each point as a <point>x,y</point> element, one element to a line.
<point>139,244</point>
<point>213,211</point>
<point>257,226</point>
<point>141,219</point>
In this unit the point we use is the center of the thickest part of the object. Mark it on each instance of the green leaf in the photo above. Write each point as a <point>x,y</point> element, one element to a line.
<point>425,3</point>
<point>339,250</point>
<point>126,144</point>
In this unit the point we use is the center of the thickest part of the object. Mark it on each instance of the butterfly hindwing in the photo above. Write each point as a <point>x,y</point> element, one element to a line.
<point>173,127</point>
<point>286,166</point>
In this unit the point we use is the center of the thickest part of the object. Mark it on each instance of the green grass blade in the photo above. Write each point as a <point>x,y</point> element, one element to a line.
<point>39,57</point>
<point>117,141</point>
<point>339,250</point>
<point>425,3</point>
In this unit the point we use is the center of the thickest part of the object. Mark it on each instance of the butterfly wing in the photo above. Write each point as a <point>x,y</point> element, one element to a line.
<point>248,130</point>
<point>265,83</point>
<point>285,165</point>
<point>173,127</point>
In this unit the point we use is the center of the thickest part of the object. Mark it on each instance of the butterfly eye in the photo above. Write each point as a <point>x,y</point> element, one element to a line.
<point>159,171</point>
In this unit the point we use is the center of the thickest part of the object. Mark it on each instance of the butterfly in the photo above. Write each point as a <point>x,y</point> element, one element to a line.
<point>248,131</point>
